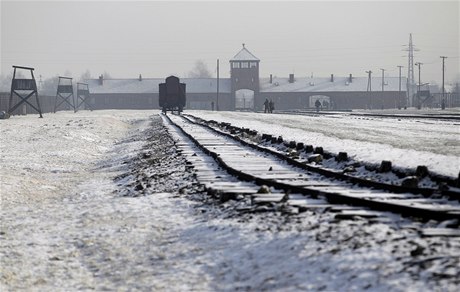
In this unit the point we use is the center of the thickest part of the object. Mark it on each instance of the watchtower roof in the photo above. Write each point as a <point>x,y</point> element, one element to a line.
<point>244,55</point>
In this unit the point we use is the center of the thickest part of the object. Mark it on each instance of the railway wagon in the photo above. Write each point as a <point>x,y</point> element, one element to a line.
<point>172,95</point>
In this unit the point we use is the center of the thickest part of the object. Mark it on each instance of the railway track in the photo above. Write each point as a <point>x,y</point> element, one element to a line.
<point>340,166</point>
<point>454,117</point>
<point>233,168</point>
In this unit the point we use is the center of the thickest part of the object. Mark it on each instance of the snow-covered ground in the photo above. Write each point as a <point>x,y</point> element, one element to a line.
<point>406,142</point>
<point>71,219</point>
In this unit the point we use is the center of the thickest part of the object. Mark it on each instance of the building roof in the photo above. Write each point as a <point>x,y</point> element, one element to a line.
<point>150,85</point>
<point>244,55</point>
<point>324,84</point>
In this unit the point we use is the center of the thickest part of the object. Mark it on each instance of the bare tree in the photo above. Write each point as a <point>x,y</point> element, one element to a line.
<point>85,76</point>
<point>107,75</point>
<point>67,73</point>
<point>200,70</point>
<point>456,84</point>
<point>5,81</point>
<point>49,86</point>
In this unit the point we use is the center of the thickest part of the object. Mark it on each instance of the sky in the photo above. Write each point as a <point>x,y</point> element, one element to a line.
<point>156,39</point>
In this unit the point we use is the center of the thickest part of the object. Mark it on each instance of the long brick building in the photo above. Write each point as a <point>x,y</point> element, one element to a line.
<point>246,90</point>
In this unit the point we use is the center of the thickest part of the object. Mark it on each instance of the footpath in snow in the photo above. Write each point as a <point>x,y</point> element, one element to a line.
<point>73,217</point>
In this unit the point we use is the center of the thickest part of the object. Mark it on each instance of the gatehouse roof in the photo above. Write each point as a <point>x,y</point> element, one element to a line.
<point>244,55</point>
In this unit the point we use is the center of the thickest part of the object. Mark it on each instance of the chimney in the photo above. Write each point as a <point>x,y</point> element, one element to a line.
<point>350,79</point>
<point>101,80</point>
<point>271,78</point>
<point>332,77</point>
<point>291,78</point>
<point>140,77</point>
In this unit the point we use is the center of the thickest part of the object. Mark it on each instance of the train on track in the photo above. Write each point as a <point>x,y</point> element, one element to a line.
<point>172,95</point>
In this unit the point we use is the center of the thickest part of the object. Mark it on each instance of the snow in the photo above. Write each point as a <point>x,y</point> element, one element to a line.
<point>406,142</point>
<point>68,222</point>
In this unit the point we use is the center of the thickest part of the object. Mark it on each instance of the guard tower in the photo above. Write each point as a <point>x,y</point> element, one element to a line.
<point>65,92</point>
<point>83,96</point>
<point>244,73</point>
<point>25,86</point>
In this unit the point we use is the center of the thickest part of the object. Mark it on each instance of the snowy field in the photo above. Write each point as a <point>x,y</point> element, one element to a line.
<point>406,142</point>
<point>68,223</point>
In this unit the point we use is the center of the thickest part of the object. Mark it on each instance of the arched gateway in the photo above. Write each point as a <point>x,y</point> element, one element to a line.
<point>244,99</point>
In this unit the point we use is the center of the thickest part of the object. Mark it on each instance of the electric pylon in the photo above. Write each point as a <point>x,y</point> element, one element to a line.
<point>410,72</point>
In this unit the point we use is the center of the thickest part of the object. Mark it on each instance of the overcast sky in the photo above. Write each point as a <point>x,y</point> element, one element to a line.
<point>156,39</point>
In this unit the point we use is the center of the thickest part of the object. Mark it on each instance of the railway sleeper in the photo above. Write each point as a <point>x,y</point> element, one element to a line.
<point>447,185</point>
<point>333,197</point>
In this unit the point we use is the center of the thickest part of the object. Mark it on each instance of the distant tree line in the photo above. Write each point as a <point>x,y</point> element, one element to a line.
<point>200,70</point>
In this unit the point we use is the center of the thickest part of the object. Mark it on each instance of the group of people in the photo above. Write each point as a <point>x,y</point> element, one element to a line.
<point>269,106</point>
<point>324,105</point>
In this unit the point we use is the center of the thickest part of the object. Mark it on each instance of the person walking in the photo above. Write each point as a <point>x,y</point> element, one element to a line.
<point>317,104</point>
<point>266,105</point>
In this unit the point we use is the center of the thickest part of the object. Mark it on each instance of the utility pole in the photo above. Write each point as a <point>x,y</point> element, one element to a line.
<point>369,88</point>
<point>217,99</point>
<point>419,65</point>
<point>442,89</point>
<point>40,83</point>
<point>383,78</point>
<point>399,95</point>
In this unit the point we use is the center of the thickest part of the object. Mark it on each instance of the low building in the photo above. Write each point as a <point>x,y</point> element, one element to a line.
<point>245,90</point>
<point>143,93</point>
<point>333,92</point>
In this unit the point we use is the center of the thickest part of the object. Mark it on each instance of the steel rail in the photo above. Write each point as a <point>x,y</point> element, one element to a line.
<point>427,192</point>
<point>401,207</point>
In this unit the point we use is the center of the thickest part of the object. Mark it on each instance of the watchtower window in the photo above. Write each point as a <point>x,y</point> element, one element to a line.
<point>253,64</point>
<point>244,65</point>
<point>236,64</point>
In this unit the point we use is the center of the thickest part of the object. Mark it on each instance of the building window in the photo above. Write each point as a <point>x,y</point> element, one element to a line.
<point>253,64</point>
<point>236,64</point>
<point>236,80</point>
<point>244,65</point>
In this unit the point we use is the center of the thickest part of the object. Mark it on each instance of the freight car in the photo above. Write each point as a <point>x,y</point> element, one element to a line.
<point>172,95</point>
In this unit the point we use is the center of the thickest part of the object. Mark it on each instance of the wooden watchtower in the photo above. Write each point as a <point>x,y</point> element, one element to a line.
<point>24,89</point>
<point>65,92</point>
<point>83,96</point>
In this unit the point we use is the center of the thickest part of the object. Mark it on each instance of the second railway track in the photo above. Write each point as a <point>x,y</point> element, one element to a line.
<point>251,165</point>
